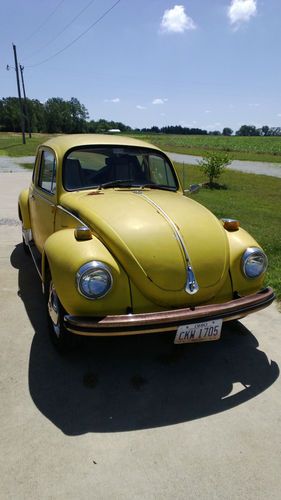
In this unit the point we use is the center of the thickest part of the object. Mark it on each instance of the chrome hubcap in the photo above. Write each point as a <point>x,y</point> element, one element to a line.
<point>53,308</point>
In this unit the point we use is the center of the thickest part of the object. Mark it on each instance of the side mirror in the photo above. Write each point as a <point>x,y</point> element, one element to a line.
<point>193,188</point>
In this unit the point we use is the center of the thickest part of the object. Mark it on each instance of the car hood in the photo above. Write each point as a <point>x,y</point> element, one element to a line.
<point>150,232</point>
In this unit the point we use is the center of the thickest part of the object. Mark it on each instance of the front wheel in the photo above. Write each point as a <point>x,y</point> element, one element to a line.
<point>63,340</point>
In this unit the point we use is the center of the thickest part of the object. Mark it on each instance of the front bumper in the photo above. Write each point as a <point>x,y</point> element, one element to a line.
<point>164,321</point>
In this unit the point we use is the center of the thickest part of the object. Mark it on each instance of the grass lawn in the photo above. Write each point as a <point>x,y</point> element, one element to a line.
<point>255,200</point>
<point>11,144</point>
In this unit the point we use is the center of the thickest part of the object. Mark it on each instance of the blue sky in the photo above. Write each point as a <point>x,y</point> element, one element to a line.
<point>197,63</point>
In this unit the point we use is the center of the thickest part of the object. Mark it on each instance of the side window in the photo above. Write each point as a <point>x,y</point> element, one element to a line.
<point>160,172</point>
<point>47,173</point>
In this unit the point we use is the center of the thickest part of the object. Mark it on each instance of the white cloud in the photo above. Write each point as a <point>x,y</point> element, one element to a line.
<point>241,11</point>
<point>254,104</point>
<point>207,111</point>
<point>175,20</point>
<point>159,100</point>
<point>115,99</point>
<point>278,114</point>
<point>138,106</point>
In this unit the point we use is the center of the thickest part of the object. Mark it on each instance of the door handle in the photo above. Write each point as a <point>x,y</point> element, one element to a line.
<point>32,197</point>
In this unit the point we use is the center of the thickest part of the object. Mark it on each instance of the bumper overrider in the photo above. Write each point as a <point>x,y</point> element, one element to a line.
<point>168,321</point>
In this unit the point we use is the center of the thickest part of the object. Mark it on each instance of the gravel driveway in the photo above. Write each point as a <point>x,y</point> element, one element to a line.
<point>250,167</point>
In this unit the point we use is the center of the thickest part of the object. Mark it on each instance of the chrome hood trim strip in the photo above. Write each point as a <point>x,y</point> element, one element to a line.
<point>191,286</point>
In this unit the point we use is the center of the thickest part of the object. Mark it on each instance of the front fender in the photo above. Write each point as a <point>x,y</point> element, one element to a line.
<point>239,241</point>
<point>24,209</point>
<point>64,255</point>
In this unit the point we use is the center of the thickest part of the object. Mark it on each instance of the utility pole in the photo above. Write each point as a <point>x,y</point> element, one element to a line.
<point>25,102</point>
<point>19,94</point>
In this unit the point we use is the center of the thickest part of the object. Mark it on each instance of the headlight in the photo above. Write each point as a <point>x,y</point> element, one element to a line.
<point>94,280</point>
<point>253,262</point>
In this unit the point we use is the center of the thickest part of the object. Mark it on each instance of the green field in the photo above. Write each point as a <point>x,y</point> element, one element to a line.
<point>255,200</point>
<point>11,144</point>
<point>238,148</point>
<point>241,148</point>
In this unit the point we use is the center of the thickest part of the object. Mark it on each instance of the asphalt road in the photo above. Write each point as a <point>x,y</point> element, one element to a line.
<point>131,418</point>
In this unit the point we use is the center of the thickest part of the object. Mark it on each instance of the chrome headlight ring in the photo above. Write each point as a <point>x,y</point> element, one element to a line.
<point>253,262</point>
<point>94,280</point>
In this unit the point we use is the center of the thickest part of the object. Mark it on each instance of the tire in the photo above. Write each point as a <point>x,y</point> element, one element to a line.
<point>63,340</point>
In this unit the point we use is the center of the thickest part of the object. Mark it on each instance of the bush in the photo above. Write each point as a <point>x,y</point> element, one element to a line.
<point>213,166</point>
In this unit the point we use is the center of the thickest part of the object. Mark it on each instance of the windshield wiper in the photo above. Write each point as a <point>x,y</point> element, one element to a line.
<point>117,182</point>
<point>158,186</point>
<point>129,183</point>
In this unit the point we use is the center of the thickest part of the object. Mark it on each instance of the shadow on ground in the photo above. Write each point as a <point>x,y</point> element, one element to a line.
<point>128,383</point>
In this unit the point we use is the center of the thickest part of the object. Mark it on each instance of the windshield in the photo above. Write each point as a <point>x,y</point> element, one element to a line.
<point>110,166</point>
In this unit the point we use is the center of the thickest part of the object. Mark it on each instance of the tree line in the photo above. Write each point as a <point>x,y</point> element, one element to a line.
<point>58,115</point>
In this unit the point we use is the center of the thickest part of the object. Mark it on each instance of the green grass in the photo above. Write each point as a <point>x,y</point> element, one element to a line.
<point>11,144</point>
<point>255,200</point>
<point>238,148</point>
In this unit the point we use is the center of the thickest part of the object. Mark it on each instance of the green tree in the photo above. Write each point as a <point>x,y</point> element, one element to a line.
<point>213,166</point>
<point>248,130</point>
<point>10,117</point>
<point>227,131</point>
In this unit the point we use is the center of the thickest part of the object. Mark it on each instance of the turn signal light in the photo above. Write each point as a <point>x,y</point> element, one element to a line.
<point>231,224</point>
<point>83,233</point>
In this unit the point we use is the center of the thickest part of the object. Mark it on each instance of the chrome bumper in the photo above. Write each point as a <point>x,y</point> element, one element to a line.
<point>131,324</point>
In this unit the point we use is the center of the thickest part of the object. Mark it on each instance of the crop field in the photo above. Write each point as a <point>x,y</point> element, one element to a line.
<point>238,148</point>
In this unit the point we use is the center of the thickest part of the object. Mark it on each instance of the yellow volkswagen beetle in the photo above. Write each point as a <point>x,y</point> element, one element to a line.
<point>121,250</point>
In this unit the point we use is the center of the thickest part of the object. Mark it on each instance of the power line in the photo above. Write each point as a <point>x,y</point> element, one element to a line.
<point>77,38</point>
<point>62,31</point>
<point>44,22</point>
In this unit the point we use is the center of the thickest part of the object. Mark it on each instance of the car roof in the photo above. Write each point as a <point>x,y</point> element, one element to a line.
<point>63,143</point>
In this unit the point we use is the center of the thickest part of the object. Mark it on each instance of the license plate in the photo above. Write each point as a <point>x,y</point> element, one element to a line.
<point>199,332</point>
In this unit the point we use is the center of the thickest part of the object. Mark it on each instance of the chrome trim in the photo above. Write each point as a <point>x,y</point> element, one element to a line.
<point>225,219</point>
<point>35,262</point>
<point>35,192</point>
<point>251,251</point>
<point>191,285</point>
<point>95,264</point>
<point>60,207</point>
<point>27,235</point>
<point>191,281</point>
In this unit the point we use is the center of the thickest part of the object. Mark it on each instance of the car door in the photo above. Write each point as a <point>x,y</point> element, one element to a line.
<point>42,197</point>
